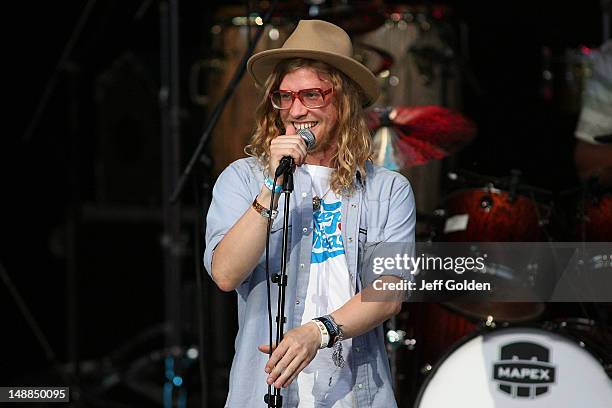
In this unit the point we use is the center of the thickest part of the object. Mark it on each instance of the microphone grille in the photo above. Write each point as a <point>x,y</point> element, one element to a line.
<point>308,137</point>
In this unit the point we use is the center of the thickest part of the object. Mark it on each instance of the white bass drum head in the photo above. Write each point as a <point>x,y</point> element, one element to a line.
<point>518,368</point>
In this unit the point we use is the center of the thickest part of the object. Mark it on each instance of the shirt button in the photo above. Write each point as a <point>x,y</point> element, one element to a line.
<point>297,302</point>
<point>360,385</point>
<point>304,195</point>
<point>354,205</point>
<point>357,349</point>
<point>305,230</point>
<point>350,239</point>
<point>302,266</point>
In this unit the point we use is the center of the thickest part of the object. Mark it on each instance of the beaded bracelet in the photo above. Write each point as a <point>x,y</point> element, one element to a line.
<point>269,184</point>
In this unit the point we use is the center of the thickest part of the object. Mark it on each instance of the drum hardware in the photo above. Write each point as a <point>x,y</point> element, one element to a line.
<point>593,219</point>
<point>488,324</point>
<point>431,329</point>
<point>397,339</point>
<point>486,202</point>
<point>439,212</point>
<point>595,336</point>
<point>426,369</point>
<point>465,179</point>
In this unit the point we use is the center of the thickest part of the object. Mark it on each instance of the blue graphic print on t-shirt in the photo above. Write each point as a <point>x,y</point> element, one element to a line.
<point>327,235</point>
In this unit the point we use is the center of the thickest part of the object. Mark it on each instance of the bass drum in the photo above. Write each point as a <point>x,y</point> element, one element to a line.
<point>516,368</point>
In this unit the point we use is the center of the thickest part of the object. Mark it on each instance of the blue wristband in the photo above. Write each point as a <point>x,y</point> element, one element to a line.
<point>269,183</point>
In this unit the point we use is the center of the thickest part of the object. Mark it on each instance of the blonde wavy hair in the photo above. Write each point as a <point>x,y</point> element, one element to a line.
<point>353,141</point>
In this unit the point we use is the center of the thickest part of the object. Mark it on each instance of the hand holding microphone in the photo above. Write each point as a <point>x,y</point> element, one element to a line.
<point>289,149</point>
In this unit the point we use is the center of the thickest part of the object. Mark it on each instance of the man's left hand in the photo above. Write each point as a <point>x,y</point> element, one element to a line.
<point>297,349</point>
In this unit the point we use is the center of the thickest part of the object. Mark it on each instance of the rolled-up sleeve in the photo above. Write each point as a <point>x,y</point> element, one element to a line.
<point>231,198</point>
<point>401,224</point>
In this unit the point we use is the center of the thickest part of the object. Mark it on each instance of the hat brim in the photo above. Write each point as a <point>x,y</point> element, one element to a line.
<point>261,65</point>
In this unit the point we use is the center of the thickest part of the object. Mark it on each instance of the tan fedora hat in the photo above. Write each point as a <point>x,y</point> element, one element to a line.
<point>321,41</point>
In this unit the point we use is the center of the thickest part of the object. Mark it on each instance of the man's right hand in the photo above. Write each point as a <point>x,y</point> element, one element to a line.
<point>289,144</point>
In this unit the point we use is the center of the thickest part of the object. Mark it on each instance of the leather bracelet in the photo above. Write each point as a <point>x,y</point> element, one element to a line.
<point>263,211</point>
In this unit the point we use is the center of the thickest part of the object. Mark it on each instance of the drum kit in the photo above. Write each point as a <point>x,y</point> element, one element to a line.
<point>456,350</point>
<point>459,348</point>
<point>452,354</point>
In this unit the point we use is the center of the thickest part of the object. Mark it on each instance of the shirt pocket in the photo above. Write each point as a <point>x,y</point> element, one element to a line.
<point>369,239</point>
<point>366,271</point>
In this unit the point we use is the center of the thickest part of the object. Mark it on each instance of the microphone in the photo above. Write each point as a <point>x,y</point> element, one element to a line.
<point>287,162</point>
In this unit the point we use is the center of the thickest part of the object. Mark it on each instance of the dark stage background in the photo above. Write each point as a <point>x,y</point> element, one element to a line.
<point>84,191</point>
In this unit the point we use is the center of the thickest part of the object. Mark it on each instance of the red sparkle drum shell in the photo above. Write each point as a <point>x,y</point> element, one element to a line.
<point>490,215</point>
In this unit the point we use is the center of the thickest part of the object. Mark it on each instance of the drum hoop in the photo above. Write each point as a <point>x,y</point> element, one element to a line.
<point>491,190</point>
<point>535,196</point>
<point>497,193</point>
<point>482,330</point>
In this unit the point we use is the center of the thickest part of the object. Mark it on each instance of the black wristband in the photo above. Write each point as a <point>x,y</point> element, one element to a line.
<point>332,329</point>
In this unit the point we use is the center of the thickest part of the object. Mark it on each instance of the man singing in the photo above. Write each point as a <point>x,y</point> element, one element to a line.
<point>333,353</point>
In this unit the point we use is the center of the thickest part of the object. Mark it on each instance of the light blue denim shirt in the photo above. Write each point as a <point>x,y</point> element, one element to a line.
<point>381,209</point>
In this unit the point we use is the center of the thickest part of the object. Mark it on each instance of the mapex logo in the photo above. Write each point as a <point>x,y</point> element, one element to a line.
<point>524,370</point>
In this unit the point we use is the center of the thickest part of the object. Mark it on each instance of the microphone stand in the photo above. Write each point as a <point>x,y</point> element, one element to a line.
<point>275,400</point>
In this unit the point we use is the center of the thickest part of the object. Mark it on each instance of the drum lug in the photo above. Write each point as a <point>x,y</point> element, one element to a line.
<point>486,202</point>
<point>397,339</point>
<point>426,369</point>
<point>488,323</point>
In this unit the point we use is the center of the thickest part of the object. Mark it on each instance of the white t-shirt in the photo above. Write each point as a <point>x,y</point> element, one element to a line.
<point>321,383</point>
